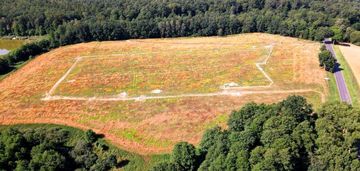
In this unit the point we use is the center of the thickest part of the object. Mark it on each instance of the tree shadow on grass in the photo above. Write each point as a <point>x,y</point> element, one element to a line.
<point>342,44</point>
<point>98,136</point>
<point>122,163</point>
<point>337,68</point>
<point>6,70</point>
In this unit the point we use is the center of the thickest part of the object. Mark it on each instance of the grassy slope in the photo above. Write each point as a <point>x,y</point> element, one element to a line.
<point>17,66</point>
<point>103,116</point>
<point>135,161</point>
<point>349,77</point>
<point>333,91</point>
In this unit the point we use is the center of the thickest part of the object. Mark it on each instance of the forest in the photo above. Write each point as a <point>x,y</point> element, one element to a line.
<point>288,135</point>
<point>53,148</point>
<point>66,22</point>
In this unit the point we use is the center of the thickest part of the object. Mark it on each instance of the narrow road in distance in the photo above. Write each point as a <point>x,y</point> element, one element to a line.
<point>340,81</point>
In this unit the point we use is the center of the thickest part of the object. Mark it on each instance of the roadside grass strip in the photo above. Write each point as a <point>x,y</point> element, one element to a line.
<point>349,77</point>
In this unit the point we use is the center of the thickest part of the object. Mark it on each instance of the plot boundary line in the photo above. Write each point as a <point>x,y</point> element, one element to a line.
<point>226,91</point>
<point>261,69</point>
<point>52,90</point>
<point>144,98</point>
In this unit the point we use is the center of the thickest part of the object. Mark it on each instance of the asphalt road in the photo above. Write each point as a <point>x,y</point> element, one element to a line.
<point>340,81</point>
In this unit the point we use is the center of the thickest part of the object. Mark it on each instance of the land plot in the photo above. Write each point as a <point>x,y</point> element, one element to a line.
<point>175,73</point>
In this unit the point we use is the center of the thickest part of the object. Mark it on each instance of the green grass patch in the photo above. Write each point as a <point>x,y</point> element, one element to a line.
<point>10,44</point>
<point>132,134</point>
<point>333,91</point>
<point>219,120</point>
<point>154,159</point>
<point>349,77</point>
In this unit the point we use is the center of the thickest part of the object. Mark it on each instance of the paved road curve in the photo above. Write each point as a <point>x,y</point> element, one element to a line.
<point>340,81</point>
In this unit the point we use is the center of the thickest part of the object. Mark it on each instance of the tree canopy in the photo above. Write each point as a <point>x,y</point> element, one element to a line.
<point>50,149</point>
<point>326,60</point>
<point>288,135</point>
<point>85,20</point>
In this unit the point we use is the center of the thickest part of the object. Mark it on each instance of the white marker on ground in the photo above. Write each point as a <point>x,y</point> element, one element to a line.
<point>156,91</point>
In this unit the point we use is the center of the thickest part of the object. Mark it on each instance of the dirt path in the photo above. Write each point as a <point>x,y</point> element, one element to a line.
<point>261,69</point>
<point>52,90</point>
<point>227,92</point>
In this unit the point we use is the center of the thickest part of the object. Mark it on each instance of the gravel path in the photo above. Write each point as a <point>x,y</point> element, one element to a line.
<point>228,92</point>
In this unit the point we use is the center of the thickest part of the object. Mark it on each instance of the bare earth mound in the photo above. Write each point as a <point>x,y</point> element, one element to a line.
<point>146,95</point>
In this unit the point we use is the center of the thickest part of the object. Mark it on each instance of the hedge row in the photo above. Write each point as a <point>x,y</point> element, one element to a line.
<point>24,53</point>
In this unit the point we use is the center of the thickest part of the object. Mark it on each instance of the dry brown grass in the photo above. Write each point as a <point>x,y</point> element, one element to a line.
<point>174,72</point>
<point>152,126</point>
<point>352,56</point>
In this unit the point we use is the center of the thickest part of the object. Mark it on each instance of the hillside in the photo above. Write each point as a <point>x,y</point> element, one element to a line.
<point>57,88</point>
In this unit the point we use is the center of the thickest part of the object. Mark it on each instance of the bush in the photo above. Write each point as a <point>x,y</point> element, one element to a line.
<point>27,51</point>
<point>327,61</point>
<point>184,155</point>
<point>4,66</point>
<point>90,136</point>
<point>355,38</point>
<point>166,166</point>
<point>24,53</point>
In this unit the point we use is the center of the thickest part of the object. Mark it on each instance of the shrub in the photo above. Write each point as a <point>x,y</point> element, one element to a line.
<point>355,38</point>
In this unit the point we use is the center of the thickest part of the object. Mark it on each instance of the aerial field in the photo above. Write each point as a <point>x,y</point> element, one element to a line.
<point>145,95</point>
<point>352,55</point>
<point>169,70</point>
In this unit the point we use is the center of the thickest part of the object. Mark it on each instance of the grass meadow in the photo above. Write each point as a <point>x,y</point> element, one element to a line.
<point>176,66</point>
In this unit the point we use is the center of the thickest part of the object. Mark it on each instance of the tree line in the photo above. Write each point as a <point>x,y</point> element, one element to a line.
<point>122,19</point>
<point>327,60</point>
<point>288,135</point>
<point>73,21</point>
<point>52,149</point>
